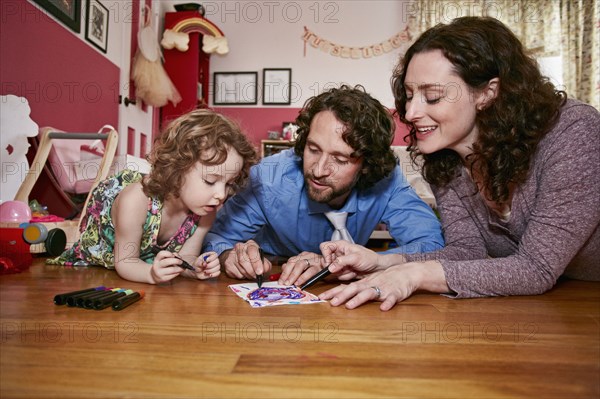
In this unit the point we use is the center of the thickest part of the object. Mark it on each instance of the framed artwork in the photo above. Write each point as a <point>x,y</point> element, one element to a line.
<point>66,11</point>
<point>235,88</point>
<point>277,86</point>
<point>96,27</point>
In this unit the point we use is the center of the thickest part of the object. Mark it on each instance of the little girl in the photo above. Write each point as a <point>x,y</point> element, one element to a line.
<point>143,225</point>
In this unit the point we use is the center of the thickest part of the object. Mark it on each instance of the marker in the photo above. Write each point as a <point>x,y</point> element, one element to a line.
<point>61,299</point>
<point>184,265</point>
<point>205,257</point>
<point>274,277</point>
<point>86,301</point>
<point>316,278</point>
<point>122,303</point>
<point>259,277</point>
<point>72,300</point>
<point>101,303</point>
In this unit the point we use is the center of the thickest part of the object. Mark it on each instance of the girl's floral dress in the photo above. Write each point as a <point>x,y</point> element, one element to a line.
<point>96,245</point>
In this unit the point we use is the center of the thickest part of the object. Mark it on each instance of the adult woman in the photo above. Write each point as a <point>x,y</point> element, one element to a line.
<point>513,164</point>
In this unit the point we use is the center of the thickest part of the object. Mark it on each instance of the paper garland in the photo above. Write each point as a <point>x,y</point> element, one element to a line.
<point>338,50</point>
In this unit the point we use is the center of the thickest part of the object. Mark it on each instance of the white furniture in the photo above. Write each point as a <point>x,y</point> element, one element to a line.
<point>413,175</point>
<point>415,179</point>
<point>15,127</point>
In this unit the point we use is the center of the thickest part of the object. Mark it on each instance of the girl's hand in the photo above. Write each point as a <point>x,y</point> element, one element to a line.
<point>165,267</point>
<point>207,266</point>
<point>390,286</point>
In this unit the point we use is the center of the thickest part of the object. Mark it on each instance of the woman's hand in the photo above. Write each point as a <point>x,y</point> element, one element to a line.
<point>352,261</point>
<point>300,268</point>
<point>165,267</point>
<point>389,286</point>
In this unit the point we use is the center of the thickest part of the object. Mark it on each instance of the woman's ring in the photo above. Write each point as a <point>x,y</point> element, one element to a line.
<point>377,291</point>
<point>307,262</point>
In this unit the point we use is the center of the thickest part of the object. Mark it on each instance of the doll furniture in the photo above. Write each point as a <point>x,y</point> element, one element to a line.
<point>65,178</point>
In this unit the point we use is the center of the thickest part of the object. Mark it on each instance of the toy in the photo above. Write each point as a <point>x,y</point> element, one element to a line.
<point>15,256</point>
<point>15,212</point>
<point>59,232</point>
<point>55,240</point>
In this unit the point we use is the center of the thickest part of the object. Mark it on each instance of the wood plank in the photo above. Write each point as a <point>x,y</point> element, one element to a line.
<point>197,339</point>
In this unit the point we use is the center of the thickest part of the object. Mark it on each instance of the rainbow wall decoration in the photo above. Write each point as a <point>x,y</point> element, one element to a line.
<point>213,40</point>
<point>197,24</point>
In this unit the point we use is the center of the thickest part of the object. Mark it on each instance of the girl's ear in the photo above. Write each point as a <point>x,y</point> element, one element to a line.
<point>488,94</point>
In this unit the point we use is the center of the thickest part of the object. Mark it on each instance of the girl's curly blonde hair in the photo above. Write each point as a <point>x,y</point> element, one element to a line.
<point>200,135</point>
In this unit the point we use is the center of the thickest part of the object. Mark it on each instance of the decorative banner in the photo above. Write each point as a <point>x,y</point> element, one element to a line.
<point>339,50</point>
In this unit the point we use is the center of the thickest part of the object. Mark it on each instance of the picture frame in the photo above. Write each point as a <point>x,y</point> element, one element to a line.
<point>96,25</point>
<point>235,88</point>
<point>68,12</point>
<point>277,86</point>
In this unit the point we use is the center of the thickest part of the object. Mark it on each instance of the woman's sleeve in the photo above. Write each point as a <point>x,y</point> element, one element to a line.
<point>565,213</point>
<point>463,240</point>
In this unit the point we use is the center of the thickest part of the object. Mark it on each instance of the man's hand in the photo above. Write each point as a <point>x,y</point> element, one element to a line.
<point>243,261</point>
<point>298,269</point>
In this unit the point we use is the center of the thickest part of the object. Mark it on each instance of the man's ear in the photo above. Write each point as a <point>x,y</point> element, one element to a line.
<point>488,94</point>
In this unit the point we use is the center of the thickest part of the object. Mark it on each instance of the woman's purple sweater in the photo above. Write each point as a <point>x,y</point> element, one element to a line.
<point>553,228</point>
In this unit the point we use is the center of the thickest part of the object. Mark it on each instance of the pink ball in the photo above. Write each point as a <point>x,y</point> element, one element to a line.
<point>14,212</point>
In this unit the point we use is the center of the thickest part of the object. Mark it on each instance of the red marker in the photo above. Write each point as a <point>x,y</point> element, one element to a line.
<point>274,277</point>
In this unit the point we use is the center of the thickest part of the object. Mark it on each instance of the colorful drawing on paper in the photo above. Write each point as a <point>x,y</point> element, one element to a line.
<point>272,294</point>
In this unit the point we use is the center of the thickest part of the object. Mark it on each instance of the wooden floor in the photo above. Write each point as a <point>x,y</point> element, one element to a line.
<point>198,339</point>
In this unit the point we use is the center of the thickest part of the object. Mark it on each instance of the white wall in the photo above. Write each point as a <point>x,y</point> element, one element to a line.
<point>553,69</point>
<point>268,34</point>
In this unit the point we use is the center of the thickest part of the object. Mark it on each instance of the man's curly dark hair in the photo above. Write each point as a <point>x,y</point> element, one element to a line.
<point>510,128</point>
<point>369,129</point>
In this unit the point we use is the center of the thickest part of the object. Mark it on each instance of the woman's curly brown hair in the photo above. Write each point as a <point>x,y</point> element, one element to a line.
<point>510,128</point>
<point>200,135</point>
<point>369,129</point>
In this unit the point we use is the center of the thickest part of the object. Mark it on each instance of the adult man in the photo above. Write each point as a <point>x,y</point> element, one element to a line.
<point>341,161</point>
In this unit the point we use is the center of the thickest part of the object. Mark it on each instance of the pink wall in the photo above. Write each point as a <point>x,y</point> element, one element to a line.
<point>68,84</point>
<point>401,132</point>
<point>256,122</point>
